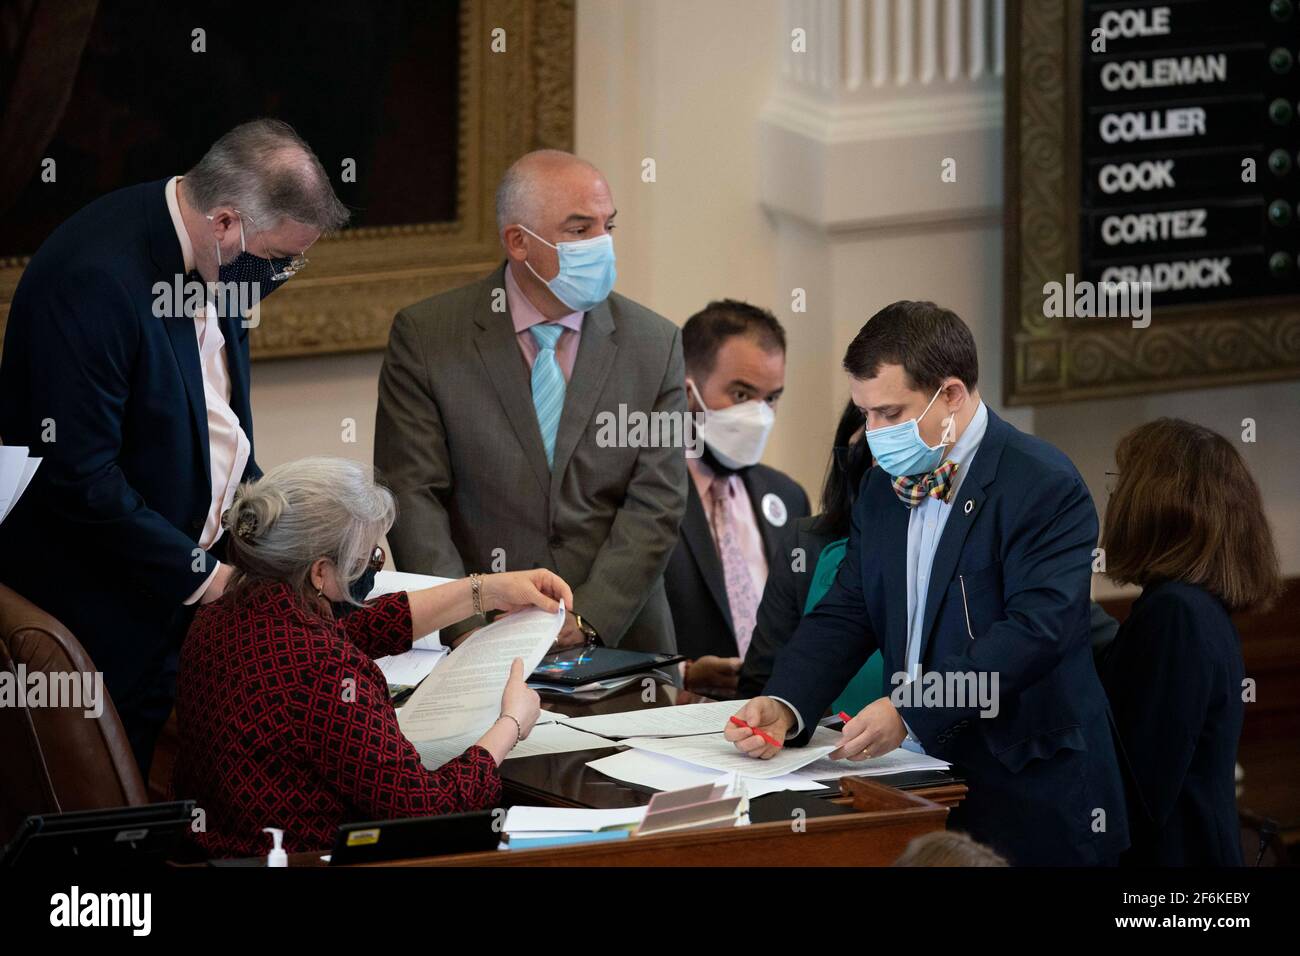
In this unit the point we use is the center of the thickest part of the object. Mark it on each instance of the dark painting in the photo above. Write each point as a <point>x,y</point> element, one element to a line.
<point>372,82</point>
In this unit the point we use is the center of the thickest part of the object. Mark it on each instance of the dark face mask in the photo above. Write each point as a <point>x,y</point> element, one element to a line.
<point>361,587</point>
<point>249,270</point>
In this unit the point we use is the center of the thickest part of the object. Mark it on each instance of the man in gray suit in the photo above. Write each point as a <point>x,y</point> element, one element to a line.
<point>493,402</point>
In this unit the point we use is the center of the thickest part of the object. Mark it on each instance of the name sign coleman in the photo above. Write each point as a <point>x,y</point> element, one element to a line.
<point>1168,71</point>
<point>1189,139</point>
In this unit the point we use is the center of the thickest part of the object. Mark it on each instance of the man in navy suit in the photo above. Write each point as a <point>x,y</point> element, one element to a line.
<point>968,566</point>
<point>126,368</point>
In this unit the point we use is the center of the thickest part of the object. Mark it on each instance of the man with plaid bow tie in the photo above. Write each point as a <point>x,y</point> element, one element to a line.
<point>968,565</point>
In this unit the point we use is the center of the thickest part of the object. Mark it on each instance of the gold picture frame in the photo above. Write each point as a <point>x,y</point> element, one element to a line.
<point>509,102</point>
<point>1051,360</point>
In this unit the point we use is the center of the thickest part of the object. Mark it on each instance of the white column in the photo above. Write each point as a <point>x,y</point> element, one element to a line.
<point>852,146</point>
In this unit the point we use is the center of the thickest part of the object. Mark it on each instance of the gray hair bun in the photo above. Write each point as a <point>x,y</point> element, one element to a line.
<point>253,512</point>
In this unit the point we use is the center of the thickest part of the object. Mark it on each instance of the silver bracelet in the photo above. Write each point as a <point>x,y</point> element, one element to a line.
<point>519,730</point>
<point>476,591</point>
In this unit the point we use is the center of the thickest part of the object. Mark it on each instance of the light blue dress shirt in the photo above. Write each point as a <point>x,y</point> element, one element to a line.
<point>924,529</point>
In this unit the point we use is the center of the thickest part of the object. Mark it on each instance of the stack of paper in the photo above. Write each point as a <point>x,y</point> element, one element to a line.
<point>556,820</point>
<point>715,752</point>
<point>17,467</point>
<point>531,827</point>
<point>386,582</point>
<point>684,720</point>
<point>671,763</point>
<point>407,670</point>
<point>645,769</point>
<point>556,738</point>
<point>548,736</point>
<point>896,761</point>
<point>724,803</point>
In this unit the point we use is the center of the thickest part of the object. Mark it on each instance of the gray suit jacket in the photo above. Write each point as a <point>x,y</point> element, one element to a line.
<point>457,440</point>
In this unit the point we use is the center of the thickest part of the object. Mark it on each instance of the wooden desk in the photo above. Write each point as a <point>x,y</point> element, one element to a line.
<point>884,819</point>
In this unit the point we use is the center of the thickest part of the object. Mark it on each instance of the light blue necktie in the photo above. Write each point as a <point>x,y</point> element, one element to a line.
<point>548,385</point>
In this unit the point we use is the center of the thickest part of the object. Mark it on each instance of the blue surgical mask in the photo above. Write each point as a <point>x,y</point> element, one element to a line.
<point>586,273</point>
<point>900,450</point>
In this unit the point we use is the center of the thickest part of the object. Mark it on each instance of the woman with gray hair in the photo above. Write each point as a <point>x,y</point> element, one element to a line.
<point>284,718</point>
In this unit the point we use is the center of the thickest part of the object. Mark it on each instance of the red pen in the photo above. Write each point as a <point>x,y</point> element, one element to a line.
<point>762,733</point>
<point>844,717</point>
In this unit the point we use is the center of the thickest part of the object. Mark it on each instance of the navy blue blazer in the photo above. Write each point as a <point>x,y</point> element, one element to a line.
<point>112,397</point>
<point>1008,595</point>
<point>1173,675</point>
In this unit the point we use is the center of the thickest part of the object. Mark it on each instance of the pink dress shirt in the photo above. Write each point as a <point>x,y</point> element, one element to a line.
<point>524,315</point>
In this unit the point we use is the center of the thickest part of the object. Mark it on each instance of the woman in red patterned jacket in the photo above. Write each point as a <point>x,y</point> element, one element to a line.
<point>284,718</point>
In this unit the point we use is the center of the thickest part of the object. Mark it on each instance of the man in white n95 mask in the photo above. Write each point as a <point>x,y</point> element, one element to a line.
<point>737,509</point>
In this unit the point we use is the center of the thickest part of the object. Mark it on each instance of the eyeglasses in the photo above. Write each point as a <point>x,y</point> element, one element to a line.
<point>295,265</point>
<point>377,560</point>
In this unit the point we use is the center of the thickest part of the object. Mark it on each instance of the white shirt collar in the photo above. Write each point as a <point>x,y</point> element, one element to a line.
<point>174,207</point>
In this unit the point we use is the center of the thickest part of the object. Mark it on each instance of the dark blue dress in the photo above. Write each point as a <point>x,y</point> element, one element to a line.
<point>1174,678</point>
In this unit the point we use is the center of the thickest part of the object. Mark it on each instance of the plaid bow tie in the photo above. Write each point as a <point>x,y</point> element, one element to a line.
<point>913,489</point>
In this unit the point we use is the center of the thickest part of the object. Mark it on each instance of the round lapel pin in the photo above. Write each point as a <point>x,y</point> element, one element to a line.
<point>970,506</point>
<point>774,510</point>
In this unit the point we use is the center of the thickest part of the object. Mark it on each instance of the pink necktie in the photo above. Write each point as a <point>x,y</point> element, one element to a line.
<point>741,593</point>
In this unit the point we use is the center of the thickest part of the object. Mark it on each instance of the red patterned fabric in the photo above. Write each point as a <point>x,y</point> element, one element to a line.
<point>285,721</point>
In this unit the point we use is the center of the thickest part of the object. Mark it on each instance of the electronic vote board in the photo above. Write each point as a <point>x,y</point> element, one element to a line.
<point>1189,148</point>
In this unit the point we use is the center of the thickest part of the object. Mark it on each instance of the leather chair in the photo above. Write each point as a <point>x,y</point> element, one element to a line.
<point>56,759</point>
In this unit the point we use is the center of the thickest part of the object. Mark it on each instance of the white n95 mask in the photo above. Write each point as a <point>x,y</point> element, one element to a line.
<point>737,434</point>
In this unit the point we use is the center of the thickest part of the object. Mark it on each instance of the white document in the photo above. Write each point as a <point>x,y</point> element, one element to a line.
<point>16,470</point>
<point>520,820</point>
<point>410,668</point>
<point>719,754</point>
<point>463,695</point>
<point>542,740</point>
<point>896,761</point>
<point>553,738</point>
<point>680,721</point>
<point>435,753</point>
<point>645,769</point>
<point>387,582</point>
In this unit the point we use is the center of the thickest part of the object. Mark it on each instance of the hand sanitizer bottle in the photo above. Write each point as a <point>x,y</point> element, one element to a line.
<point>277,856</point>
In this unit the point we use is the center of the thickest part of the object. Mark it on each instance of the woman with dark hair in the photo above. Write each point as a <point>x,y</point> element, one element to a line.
<point>814,547</point>
<point>1186,522</point>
